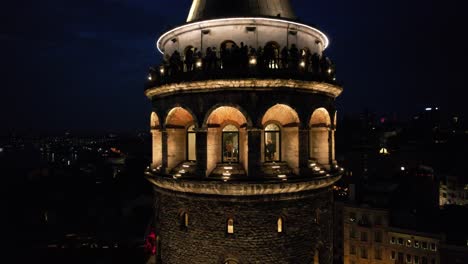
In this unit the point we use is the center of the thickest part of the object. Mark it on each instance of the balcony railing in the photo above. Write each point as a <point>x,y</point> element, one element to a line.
<point>215,69</point>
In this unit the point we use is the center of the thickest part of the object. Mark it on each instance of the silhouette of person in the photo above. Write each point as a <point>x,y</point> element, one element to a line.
<point>270,150</point>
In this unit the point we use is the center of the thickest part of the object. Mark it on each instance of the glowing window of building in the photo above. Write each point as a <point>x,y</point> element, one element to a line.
<point>280,225</point>
<point>184,220</point>
<point>416,244</point>
<point>191,144</point>
<point>230,226</point>
<point>230,144</point>
<point>408,243</point>
<point>272,143</point>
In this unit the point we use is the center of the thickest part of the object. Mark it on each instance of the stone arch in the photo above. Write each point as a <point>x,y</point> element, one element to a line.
<point>319,143</point>
<point>237,114</point>
<point>289,121</point>
<point>178,120</point>
<point>215,120</point>
<point>156,140</point>
<point>154,121</point>
<point>228,44</point>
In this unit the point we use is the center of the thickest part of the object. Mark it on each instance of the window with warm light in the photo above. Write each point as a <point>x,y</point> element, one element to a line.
<point>230,144</point>
<point>280,225</point>
<point>184,220</point>
<point>191,144</point>
<point>230,226</point>
<point>272,143</point>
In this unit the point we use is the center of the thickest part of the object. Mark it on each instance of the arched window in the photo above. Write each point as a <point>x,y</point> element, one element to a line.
<point>272,143</point>
<point>230,226</point>
<point>280,225</point>
<point>191,143</point>
<point>230,144</point>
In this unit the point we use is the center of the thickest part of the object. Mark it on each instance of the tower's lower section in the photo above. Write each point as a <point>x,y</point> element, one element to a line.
<point>281,228</point>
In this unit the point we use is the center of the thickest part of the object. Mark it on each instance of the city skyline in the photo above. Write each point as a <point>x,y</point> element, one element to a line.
<point>82,64</point>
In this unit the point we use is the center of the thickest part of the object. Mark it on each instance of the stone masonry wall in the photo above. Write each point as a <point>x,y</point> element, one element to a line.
<point>255,238</point>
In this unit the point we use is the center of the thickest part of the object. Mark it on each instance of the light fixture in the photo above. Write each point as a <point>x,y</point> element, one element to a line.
<point>253,61</point>
<point>302,64</point>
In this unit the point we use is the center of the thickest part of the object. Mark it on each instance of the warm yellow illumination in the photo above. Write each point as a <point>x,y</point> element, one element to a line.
<point>186,220</point>
<point>150,78</point>
<point>253,61</point>
<point>230,226</point>
<point>161,70</point>
<point>282,176</point>
<point>192,10</point>
<point>302,64</point>
<point>384,151</point>
<point>280,225</point>
<point>200,24</point>
<point>329,71</point>
<point>199,64</point>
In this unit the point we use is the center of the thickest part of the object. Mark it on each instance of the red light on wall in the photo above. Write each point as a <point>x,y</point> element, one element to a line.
<point>150,243</point>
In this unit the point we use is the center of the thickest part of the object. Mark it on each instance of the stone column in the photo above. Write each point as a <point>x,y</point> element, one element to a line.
<point>304,151</point>
<point>202,158</point>
<point>156,148</point>
<point>164,151</point>
<point>254,155</point>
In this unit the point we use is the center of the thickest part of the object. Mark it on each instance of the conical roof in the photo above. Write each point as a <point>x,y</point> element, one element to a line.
<point>211,9</point>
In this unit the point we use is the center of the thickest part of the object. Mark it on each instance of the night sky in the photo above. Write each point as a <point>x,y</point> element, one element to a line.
<point>80,65</point>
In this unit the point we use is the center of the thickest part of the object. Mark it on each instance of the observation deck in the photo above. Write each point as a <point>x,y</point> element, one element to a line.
<point>250,72</point>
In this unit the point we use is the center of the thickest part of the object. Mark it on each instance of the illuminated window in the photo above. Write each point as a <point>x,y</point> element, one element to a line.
<point>272,143</point>
<point>184,220</point>
<point>230,144</point>
<point>280,225</point>
<point>230,226</point>
<point>408,243</point>
<point>191,144</point>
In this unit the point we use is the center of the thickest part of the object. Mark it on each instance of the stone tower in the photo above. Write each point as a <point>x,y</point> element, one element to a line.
<point>243,127</point>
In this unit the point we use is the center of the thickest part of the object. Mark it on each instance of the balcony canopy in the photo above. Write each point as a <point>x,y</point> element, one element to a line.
<point>213,9</point>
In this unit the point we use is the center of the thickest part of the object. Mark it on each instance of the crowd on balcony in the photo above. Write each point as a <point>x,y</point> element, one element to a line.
<point>234,58</point>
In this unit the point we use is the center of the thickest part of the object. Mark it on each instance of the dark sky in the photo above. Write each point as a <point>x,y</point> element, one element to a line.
<point>81,64</point>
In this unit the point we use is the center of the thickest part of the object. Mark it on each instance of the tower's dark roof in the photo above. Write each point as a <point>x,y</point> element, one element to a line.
<point>211,9</point>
